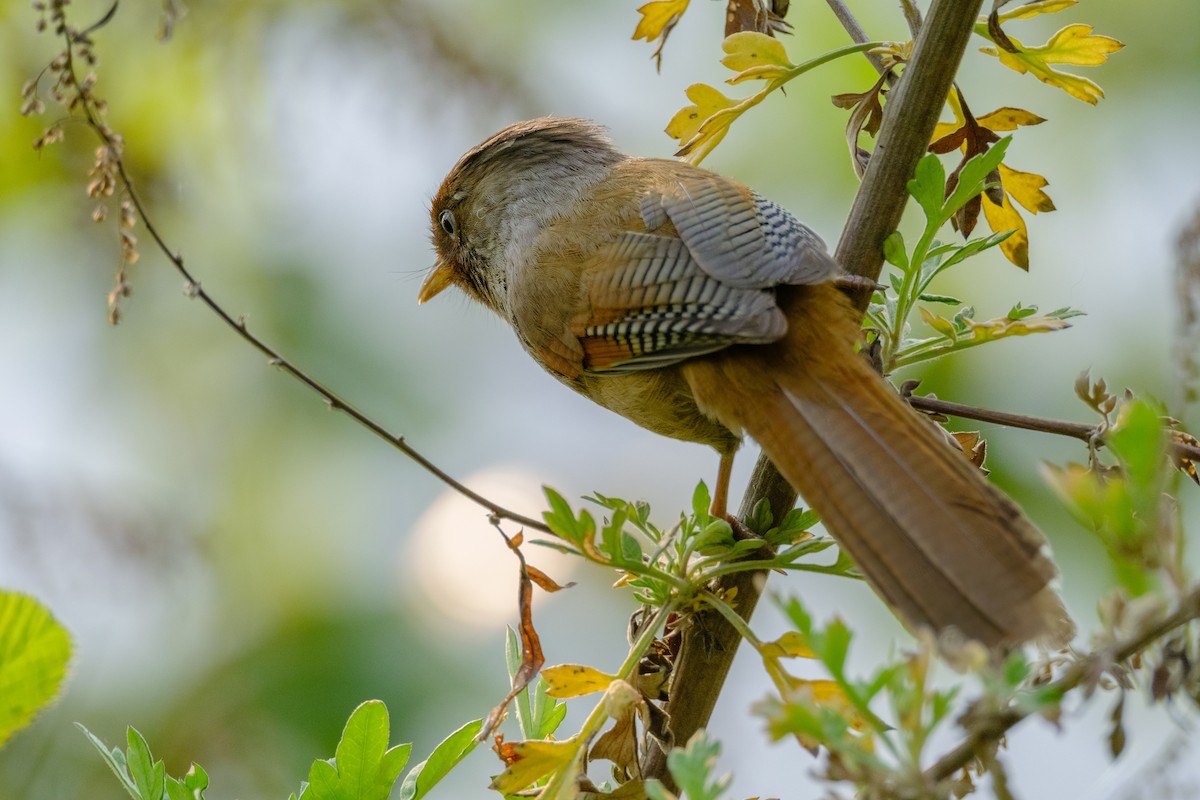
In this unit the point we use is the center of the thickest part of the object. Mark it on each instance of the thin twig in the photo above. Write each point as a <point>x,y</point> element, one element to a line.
<point>912,16</point>
<point>857,34</point>
<point>1089,666</point>
<point>193,288</point>
<point>1075,430</point>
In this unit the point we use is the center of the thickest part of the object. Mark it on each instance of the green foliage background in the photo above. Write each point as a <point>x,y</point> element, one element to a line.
<point>236,565</point>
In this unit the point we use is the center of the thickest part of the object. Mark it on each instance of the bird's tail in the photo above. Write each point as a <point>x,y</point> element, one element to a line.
<point>941,545</point>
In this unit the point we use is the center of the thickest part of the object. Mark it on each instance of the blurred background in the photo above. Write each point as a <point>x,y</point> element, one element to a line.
<point>240,567</point>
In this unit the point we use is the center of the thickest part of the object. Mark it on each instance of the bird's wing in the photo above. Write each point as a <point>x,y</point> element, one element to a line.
<point>701,280</point>
<point>737,236</point>
<point>651,305</point>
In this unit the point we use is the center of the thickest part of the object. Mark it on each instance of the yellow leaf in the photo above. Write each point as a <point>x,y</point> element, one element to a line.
<point>1030,10</point>
<point>1002,218</point>
<point>701,127</point>
<point>572,680</point>
<point>1003,327</point>
<point>1026,189</point>
<point>1009,119</point>
<point>790,645</point>
<point>534,760</point>
<point>657,16</point>
<point>755,55</point>
<point>827,694</point>
<point>687,121</point>
<point>1074,44</point>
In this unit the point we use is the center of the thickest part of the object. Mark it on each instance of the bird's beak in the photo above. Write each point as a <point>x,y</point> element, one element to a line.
<point>439,278</point>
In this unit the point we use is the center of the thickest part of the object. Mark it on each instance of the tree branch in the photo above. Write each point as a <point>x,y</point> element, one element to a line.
<point>709,645</point>
<point>193,288</point>
<point>1089,666</point>
<point>1075,430</point>
<point>856,32</point>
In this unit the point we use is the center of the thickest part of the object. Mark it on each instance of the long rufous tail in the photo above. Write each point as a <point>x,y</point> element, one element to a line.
<point>941,545</point>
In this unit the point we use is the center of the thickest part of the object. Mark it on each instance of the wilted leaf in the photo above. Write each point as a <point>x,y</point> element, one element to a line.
<point>532,760</point>
<point>1181,461</point>
<point>1116,731</point>
<point>572,680</point>
<point>866,116</point>
<point>973,445</point>
<point>544,581</point>
<point>531,645</point>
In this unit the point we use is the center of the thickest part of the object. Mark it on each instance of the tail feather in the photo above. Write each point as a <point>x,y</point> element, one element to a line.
<point>938,542</point>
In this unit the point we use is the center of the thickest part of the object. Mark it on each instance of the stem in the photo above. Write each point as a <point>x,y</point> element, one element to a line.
<point>599,714</point>
<point>1075,430</point>
<point>193,288</point>
<point>910,289</point>
<point>857,34</point>
<point>908,121</point>
<point>1092,665</point>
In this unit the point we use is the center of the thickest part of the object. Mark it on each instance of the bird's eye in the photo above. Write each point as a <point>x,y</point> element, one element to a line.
<point>446,220</point>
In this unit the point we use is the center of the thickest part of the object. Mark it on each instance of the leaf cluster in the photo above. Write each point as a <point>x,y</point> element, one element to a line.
<point>913,271</point>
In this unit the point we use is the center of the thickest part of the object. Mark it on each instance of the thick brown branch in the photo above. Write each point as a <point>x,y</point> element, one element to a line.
<point>1089,666</point>
<point>709,646</point>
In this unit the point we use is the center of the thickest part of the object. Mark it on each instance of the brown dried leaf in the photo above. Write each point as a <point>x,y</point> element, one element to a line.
<point>532,657</point>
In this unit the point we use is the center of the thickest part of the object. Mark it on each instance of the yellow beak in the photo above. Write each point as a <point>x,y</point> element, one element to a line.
<point>439,278</point>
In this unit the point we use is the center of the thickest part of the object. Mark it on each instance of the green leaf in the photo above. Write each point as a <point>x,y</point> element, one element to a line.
<point>973,177</point>
<point>512,661</point>
<point>34,651</point>
<point>447,755</point>
<point>701,503</point>
<point>115,760</point>
<point>928,186</point>
<point>142,776</point>
<point>894,251</point>
<point>760,518</point>
<point>1021,312</point>
<point>944,299</point>
<point>147,775</point>
<point>1139,441</point>
<point>363,767</point>
<point>692,767</point>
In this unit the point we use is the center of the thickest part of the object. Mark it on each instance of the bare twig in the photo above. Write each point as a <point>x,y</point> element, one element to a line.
<point>912,16</point>
<point>1087,667</point>
<point>708,647</point>
<point>193,288</point>
<point>857,34</point>
<point>1075,430</point>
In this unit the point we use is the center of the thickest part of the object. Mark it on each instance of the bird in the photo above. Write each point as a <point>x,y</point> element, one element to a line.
<point>700,310</point>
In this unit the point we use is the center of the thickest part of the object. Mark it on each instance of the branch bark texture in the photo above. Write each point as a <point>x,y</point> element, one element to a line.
<point>709,645</point>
